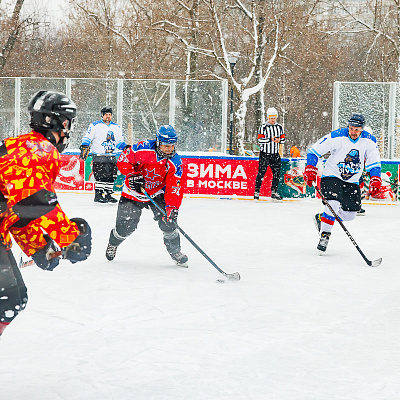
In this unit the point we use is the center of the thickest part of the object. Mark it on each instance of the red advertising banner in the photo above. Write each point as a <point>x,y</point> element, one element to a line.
<point>71,176</point>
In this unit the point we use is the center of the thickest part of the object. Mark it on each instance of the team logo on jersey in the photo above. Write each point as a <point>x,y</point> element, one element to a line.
<point>151,175</point>
<point>109,143</point>
<point>351,165</point>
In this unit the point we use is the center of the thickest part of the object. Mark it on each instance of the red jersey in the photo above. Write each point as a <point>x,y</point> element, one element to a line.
<point>161,175</point>
<point>29,165</point>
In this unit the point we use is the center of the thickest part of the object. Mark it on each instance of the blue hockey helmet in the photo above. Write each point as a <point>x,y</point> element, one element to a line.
<point>166,135</point>
<point>357,120</point>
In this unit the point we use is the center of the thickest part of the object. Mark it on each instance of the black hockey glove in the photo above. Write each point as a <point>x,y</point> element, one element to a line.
<point>84,152</point>
<point>136,182</point>
<point>171,214</point>
<point>81,247</point>
<point>48,257</point>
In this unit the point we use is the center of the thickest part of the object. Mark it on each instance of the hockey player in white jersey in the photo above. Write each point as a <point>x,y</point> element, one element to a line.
<point>104,138</point>
<point>351,150</point>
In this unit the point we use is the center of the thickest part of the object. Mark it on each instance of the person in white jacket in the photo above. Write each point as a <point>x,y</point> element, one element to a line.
<point>105,139</point>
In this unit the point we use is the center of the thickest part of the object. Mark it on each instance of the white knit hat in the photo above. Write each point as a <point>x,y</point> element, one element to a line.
<point>272,112</point>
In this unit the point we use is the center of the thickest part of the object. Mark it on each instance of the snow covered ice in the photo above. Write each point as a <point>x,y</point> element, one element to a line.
<point>297,326</point>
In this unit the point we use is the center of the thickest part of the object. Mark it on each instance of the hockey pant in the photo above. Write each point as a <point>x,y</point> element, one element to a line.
<point>104,172</point>
<point>327,218</point>
<point>128,217</point>
<point>13,292</point>
<point>274,162</point>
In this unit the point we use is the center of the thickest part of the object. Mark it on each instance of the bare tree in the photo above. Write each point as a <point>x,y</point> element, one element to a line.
<point>11,28</point>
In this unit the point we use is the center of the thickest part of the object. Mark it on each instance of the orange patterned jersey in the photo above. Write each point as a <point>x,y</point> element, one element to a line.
<point>29,165</point>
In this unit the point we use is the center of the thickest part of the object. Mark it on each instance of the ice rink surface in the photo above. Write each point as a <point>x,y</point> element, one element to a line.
<point>297,326</point>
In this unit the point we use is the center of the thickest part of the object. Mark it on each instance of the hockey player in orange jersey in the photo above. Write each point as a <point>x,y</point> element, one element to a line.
<point>29,210</point>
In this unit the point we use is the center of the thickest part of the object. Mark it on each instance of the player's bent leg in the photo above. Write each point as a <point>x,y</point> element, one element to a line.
<point>347,215</point>
<point>172,242</point>
<point>128,216</point>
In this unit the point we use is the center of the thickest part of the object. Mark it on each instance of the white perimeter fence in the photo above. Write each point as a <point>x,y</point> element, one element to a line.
<point>380,104</point>
<point>197,109</point>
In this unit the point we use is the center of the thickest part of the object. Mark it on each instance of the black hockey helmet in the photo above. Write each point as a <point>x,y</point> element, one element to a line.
<point>48,112</point>
<point>106,110</point>
<point>357,120</point>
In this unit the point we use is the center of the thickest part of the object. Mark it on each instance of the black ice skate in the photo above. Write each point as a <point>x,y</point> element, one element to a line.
<point>99,196</point>
<point>317,222</point>
<point>275,196</point>
<point>110,199</point>
<point>361,212</point>
<point>323,241</point>
<point>180,259</point>
<point>256,195</point>
<point>111,251</point>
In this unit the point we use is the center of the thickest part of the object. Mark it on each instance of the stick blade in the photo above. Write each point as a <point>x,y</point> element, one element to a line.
<point>233,277</point>
<point>375,263</point>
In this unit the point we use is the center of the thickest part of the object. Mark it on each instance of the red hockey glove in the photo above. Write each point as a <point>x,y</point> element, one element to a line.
<point>310,174</point>
<point>375,185</point>
<point>172,214</point>
<point>136,182</point>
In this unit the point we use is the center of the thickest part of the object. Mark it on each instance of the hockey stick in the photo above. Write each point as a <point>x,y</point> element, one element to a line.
<point>374,263</point>
<point>234,277</point>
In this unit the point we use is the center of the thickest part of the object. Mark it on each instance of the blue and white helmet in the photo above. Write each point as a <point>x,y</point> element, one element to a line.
<point>166,135</point>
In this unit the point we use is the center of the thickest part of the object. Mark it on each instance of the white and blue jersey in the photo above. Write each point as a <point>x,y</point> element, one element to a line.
<point>348,157</point>
<point>103,138</point>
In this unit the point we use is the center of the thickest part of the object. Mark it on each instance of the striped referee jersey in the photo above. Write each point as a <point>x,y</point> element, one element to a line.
<point>265,135</point>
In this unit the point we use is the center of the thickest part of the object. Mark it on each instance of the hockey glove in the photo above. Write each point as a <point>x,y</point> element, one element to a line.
<point>375,184</point>
<point>84,152</point>
<point>136,182</point>
<point>310,174</point>
<point>171,214</point>
<point>48,257</point>
<point>81,247</point>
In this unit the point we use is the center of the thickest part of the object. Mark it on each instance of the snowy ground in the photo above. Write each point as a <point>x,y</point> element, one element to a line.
<point>296,327</point>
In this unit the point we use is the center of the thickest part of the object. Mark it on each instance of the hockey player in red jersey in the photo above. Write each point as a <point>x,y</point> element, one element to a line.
<point>29,210</point>
<point>155,166</point>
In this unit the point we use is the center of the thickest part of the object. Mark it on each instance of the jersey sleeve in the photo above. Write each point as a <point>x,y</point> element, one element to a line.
<point>88,137</point>
<point>126,162</point>
<point>174,183</point>
<point>30,238</point>
<point>320,148</point>
<point>372,159</point>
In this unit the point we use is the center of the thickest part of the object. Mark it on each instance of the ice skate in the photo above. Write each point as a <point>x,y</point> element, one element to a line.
<point>275,196</point>
<point>317,222</point>
<point>99,196</point>
<point>111,252</point>
<point>180,259</point>
<point>256,195</point>
<point>361,212</point>
<point>110,199</point>
<point>323,242</point>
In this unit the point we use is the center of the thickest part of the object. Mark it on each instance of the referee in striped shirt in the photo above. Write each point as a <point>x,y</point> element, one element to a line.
<point>270,136</point>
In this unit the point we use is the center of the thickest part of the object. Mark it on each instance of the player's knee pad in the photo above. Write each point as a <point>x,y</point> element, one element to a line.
<point>12,301</point>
